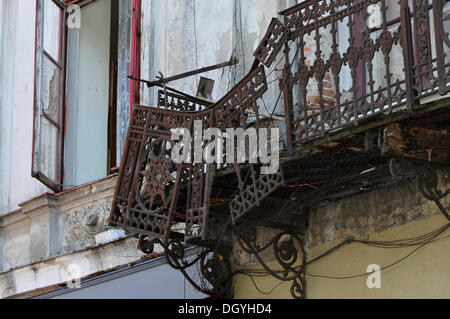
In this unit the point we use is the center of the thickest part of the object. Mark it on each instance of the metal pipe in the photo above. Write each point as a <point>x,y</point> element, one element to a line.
<point>185,75</point>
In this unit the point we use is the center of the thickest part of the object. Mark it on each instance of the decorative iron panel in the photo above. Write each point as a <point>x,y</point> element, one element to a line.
<point>177,102</point>
<point>230,111</point>
<point>253,192</point>
<point>149,181</point>
<point>441,10</point>
<point>148,185</point>
<point>199,191</point>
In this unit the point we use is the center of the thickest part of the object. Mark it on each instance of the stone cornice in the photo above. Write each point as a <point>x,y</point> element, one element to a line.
<point>86,193</point>
<point>59,203</point>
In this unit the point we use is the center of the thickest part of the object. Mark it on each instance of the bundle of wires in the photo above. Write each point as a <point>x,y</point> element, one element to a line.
<point>419,242</point>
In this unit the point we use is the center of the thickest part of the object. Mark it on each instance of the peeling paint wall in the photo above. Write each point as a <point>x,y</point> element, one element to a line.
<point>51,232</point>
<point>123,70</point>
<point>53,225</point>
<point>16,104</point>
<point>180,36</point>
<point>56,271</point>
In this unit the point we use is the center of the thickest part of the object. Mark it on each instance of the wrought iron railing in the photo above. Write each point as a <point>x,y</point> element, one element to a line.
<point>149,181</point>
<point>361,58</point>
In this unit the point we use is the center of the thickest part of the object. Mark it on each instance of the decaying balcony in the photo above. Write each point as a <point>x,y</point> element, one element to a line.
<point>365,105</point>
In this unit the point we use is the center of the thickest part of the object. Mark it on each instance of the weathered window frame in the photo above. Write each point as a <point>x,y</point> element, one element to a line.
<point>135,52</point>
<point>40,116</point>
<point>44,153</point>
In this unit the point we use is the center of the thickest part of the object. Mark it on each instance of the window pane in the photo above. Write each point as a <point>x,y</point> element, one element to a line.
<point>50,94</point>
<point>49,149</point>
<point>52,29</point>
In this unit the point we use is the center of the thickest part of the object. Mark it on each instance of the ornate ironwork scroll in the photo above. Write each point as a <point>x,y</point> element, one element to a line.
<point>272,43</point>
<point>231,112</point>
<point>149,182</point>
<point>211,265</point>
<point>289,252</point>
<point>322,70</point>
<point>427,181</point>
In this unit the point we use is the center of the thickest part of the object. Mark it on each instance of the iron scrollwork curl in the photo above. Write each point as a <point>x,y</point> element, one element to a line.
<point>213,264</point>
<point>428,184</point>
<point>289,252</point>
<point>427,180</point>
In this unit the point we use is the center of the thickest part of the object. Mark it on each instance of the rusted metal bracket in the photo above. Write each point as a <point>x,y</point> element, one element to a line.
<point>427,180</point>
<point>211,264</point>
<point>289,251</point>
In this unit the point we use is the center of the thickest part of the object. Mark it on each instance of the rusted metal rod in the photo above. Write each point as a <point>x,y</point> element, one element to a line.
<point>233,61</point>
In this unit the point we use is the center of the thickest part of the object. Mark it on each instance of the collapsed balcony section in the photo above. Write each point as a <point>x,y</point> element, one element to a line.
<point>365,107</point>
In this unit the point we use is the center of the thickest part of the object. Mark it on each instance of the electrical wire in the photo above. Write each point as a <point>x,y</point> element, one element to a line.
<point>196,38</point>
<point>385,267</point>
<point>241,38</point>
<point>259,289</point>
<point>420,241</point>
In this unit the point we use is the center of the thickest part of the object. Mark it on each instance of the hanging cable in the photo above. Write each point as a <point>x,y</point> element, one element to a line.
<point>196,39</point>
<point>420,241</point>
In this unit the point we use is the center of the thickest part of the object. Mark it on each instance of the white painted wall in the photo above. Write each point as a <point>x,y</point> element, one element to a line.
<point>180,36</point>
<point>16,104</point>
